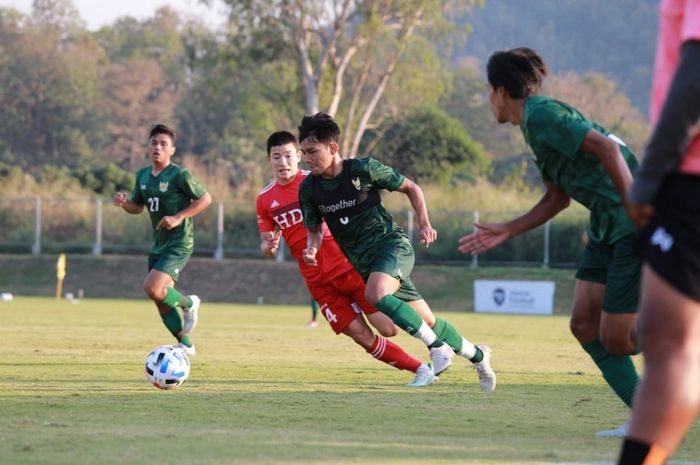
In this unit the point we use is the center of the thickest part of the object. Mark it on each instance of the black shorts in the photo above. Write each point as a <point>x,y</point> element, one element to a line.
<point>670,243</point>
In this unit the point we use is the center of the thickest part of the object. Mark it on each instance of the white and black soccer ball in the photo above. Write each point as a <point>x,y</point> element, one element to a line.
<point>167,367</point>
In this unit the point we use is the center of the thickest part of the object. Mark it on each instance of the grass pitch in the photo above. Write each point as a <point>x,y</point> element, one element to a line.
<point>264,389</point>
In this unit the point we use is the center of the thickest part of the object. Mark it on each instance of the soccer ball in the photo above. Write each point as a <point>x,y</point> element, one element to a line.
<point>167,367</point>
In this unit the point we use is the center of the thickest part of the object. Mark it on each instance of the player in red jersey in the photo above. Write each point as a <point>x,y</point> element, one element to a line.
<point>334,283</point>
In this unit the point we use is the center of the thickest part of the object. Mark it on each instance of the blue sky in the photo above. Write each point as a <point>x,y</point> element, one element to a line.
<point>97,13</point>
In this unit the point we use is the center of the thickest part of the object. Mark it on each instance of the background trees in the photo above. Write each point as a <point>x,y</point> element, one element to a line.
<point>404,79</point>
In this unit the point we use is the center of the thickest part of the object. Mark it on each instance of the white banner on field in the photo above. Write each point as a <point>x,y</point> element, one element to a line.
<point>533,297</point>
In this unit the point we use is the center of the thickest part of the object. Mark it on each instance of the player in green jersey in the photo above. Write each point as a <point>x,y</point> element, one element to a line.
<point>578,159</point>
<point>345,193</point>
<point>172,197</point>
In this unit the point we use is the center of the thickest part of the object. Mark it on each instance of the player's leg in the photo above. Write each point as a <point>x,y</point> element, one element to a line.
<point>313,322</point>
<point>160,286</point>
<point>618,370</point>
<point>155,281</point>
<point>172,263</point>
<point>479,355</point>
<point>346,318</point>
<point>668,397</point>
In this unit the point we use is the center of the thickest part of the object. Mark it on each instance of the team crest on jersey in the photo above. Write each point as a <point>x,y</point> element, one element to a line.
<point>163,186</point>
<point>143,187</point>
<point>356,183</point>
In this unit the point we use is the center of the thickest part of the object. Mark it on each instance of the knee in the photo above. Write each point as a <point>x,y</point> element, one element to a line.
<point>388,330</point>
<point>583,329</point>
<point>154,292</point>
<point>374,295</point>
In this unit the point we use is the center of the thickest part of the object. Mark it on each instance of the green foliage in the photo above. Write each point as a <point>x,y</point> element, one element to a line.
<point>104,180</point>
<point>428,145</point>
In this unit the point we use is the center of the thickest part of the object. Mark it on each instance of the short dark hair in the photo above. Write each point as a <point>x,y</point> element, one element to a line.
<point>162,129</point>
<point>321,127</point>
<point>280,138</point>
<point>520,71</point>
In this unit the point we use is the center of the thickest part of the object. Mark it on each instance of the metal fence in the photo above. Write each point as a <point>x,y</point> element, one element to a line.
<point>92,225</point>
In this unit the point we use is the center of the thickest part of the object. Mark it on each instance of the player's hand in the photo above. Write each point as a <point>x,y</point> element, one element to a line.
<point>271,243</point>
<point>309,256</point>
<point>486,237</point>
<point>640,214</point>
<point>119,199</point>
<point>169,222</point>
<point>428,235</point>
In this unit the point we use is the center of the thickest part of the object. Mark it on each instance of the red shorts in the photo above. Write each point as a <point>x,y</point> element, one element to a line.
<point>342,299</point>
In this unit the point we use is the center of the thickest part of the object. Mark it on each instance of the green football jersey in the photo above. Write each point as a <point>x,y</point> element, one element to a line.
<point>555,131</point>
<point>165,195</point>
<point>350,205</point>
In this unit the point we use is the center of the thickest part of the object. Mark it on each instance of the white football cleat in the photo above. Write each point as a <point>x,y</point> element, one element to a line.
<point>425,376</point>
<point>441,358</point>
<point>189,351</point>
<point>190,314</point>
<point>619,432</point>
<point>487,377</point>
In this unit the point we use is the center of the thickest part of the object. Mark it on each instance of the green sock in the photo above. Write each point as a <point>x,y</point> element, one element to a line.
<point>186,340</point>
<point>172,321</point>
<point>314,309</point>
<point>173,298</point>
<point>618,371</point>
<point>449,335</point>
<point>402,314</point>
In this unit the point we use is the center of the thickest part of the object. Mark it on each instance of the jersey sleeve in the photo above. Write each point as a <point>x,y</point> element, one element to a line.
<point>558,129</point>
<point>310,212</point>
<point>136,195</point>
<point>265,221</point>
<point>191,186</point>
<point>691,22</point>
<point>383,176</point>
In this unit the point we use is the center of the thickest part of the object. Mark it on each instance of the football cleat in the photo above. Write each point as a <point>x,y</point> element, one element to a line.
<point>424,376</point>
<point>190,314</point>
<point>441,358</point>
<point>487,377</point>
<point>189,351</point>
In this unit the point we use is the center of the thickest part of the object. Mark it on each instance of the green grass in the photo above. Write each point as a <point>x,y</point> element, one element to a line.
<point>264,389</point>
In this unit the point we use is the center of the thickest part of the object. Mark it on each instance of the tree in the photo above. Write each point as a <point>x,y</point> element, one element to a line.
<point>347,51</point>
<point>429,146</point>
<point>48,79</point>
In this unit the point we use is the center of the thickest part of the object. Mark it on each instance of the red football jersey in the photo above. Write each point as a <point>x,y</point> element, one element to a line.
<point>279,206</point>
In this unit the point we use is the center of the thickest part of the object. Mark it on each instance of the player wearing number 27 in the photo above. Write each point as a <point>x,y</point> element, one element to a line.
<point>334,284</point>
<point>172,196</point>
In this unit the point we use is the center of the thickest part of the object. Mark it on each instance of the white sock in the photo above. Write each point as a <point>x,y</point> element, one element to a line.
<point>425,334</point>
<point>468,349</point>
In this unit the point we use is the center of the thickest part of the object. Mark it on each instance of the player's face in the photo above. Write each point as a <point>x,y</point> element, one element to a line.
<point>284,161</point>
<point>498,103</point>
<point>319,156</point>
<point>161,148</point>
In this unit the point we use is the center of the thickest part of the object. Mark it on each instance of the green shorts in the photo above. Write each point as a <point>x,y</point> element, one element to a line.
<point>618,267</point>
<point>396,258</point>
<point>170,262</point>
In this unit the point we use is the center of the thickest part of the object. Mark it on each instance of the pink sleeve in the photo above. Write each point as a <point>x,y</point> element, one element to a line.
<point>691,21</point>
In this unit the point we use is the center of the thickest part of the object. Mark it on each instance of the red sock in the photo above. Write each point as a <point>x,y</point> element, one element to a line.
<point>390,353</point>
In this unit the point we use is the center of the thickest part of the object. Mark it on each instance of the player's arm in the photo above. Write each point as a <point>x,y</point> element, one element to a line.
<point>415,195</point>
<point>121,199</point>
<point>608,153</point>
<point>679,117</point>
<point>489,236</point>
<point>193,209</point>
<point>314,239</point>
